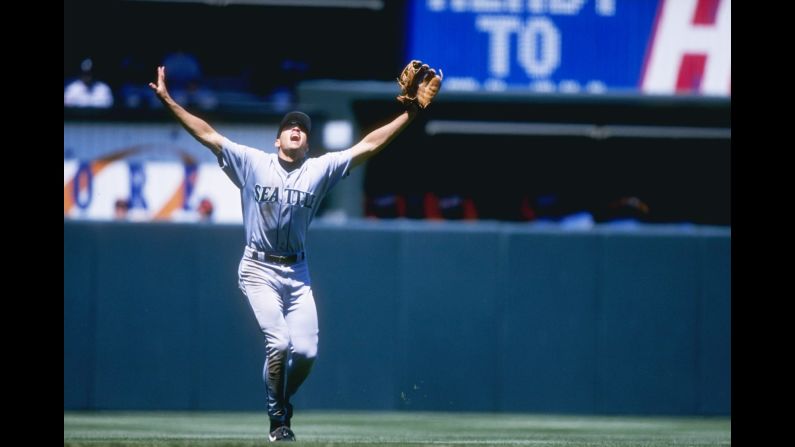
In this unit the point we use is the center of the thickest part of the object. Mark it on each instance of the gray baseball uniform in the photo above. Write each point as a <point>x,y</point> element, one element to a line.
<point>278,207</point>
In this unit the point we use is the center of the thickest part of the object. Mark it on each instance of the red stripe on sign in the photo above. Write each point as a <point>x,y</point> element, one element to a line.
<point>706,11</point>
<point>690,73</point>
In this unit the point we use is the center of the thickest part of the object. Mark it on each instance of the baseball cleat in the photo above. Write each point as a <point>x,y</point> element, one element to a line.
<point>282,433</point>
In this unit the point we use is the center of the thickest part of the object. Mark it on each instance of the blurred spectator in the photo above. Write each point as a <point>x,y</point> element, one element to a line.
<point>133,91</point>
<point>385,206</point>
<point>195,94</point>
<point>566,211</point>
<point>556,207</point>
<point>449,206</point>
<point>454,206</point>
<point>276,81</point>
<point>182,68</point>
<point>417,204</point>
<point>120,208</point>
<point>185,82</point>
<point>623,210</point>
<point>527,211</point>
<point>283,95</point>
<point>86,91</point>
<point>205,210</point>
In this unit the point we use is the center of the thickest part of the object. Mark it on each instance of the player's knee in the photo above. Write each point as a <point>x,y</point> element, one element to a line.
<point>278,344</point>
<point>305,347</point>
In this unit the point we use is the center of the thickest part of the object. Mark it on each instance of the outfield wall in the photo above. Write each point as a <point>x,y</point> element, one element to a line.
<point>413,315</point>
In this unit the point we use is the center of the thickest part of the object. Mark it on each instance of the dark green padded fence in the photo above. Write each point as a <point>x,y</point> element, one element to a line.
<point>413,315</point>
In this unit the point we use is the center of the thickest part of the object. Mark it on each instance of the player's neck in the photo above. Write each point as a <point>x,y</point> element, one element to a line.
<point>295,157</point>
<point>290,166</point>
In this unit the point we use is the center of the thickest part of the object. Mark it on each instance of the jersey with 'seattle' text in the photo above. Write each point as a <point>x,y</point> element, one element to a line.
<point>279,205</point>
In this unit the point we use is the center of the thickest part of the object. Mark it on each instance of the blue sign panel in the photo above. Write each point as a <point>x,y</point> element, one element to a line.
<point>673,46</point>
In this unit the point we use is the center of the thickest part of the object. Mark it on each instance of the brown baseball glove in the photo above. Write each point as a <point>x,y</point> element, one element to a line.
<point>418,84</point>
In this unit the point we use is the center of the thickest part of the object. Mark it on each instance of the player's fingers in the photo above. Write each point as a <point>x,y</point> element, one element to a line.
<point>152,86</point>
<point>429,76</point>
<point>441,75</point>
<point>424,69</point>
<point>421,72</point>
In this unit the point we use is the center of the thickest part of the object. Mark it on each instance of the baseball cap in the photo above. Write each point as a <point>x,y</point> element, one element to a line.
<point>296,117</point>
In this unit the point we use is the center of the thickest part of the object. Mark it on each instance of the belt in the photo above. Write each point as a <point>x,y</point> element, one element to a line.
<point>276,259</point>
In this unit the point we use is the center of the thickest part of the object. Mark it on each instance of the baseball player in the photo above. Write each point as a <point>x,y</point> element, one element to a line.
<point>280,194</point>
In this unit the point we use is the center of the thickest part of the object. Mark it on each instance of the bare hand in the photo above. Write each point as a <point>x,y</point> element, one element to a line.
<point>160,88</point>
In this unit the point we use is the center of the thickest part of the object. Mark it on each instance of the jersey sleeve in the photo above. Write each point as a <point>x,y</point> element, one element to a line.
<point>235,160</point>
<point>337,165</point>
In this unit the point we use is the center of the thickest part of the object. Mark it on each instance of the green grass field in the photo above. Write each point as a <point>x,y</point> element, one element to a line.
<point>324,428</point>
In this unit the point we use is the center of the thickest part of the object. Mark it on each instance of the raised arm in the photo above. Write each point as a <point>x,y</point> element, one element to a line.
<point>196,126</point>
<point>419,84</point>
